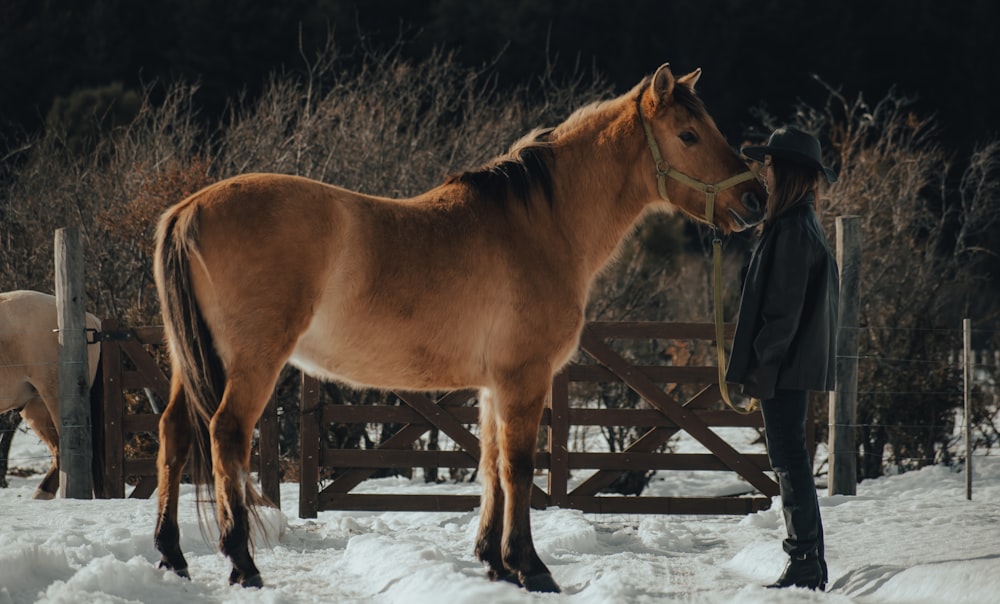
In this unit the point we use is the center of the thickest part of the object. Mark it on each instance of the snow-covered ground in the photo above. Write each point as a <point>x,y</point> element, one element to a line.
<point>907,538</point>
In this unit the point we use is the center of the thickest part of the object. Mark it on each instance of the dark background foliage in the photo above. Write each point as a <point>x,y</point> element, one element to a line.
<point>112,109</point>
<point>760,53</point>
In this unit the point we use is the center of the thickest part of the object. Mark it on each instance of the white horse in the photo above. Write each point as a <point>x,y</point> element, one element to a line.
<point>29,369</point>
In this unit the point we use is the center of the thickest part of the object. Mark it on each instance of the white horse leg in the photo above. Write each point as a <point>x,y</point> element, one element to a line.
<point>37,415</point>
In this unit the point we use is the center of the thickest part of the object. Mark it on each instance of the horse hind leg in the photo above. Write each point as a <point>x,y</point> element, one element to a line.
<point>247,394</point>
<point>520,412</point>
<point>38,416</point>
<point>175,445</point>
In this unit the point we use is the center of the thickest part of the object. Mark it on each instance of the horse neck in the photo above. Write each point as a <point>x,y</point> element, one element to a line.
<point>600,189</point>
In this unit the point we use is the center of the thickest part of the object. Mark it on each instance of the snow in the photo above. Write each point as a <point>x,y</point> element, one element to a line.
<point>907,538</point>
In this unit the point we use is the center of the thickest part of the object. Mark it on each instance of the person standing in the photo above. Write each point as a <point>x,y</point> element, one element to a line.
<point>786,334</point>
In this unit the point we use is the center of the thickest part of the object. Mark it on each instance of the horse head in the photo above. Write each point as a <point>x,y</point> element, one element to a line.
<point>695,168</point>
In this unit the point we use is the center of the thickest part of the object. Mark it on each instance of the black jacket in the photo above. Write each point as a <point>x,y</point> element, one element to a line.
<point>786,332</point>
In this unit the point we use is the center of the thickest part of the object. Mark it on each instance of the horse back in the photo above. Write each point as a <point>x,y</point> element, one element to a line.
<point>423,293</point>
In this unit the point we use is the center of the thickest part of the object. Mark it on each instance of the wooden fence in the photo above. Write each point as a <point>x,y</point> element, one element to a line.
<point>129,367</point>
<point>452,415</point>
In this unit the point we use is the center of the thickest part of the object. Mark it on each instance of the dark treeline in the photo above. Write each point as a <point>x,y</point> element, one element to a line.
<point>759,53</point>
<point>385,111</point>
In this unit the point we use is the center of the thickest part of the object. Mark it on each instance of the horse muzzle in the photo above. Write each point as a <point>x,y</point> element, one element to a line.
<point>754,207</point>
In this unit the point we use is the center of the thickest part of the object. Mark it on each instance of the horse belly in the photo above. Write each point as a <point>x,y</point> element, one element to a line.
<point>15,371</point>
<point>15,390</point>
<point>377,355</point>
<point>29,347</point>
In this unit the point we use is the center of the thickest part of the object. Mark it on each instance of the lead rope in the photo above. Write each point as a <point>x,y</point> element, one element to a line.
<point>720,330</point>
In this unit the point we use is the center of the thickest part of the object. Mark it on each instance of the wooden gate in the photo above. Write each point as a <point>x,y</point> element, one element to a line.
<point>453,414</point>
<point>128,367</point>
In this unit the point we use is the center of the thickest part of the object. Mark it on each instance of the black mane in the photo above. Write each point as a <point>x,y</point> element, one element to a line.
<point>515,175</point>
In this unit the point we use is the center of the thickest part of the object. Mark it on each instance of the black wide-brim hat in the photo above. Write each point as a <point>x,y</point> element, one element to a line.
<point>794,145</point>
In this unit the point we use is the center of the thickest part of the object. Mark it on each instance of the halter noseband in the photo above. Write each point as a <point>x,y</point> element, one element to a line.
<point>663,169</point>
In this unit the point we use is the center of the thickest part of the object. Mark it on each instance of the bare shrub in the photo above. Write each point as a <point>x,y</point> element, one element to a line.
<point>389,127</point>
<point>105,194</point>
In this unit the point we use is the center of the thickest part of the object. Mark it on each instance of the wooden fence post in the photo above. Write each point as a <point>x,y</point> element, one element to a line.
<point>967,362</point>
<point>113,414</point>
<point>310,443</point>
<point>268,453</point>
<point>75,453</point>
<point>844,400</point>
<point>558,440</point>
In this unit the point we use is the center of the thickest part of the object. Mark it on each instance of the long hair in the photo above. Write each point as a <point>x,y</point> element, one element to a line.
<point>790,182</point>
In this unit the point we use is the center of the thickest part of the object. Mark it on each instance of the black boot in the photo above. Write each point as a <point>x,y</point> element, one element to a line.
<point>802,572</point>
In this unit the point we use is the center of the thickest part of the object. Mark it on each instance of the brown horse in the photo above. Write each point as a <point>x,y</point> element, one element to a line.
<point>481,282</point>
<point>29,369</point>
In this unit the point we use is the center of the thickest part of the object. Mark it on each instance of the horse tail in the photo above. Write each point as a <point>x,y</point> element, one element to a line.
<point>195,360</point>
<point>192,348</point>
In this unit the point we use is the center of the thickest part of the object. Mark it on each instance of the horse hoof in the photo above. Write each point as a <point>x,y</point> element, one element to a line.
<point>236,577</point>
<point>180,572</point>
<point>504,575</point>
<point>254,581</point>
<point>542,583</point>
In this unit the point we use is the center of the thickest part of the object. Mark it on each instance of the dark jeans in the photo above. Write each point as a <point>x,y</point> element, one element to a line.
<point>785,429</point>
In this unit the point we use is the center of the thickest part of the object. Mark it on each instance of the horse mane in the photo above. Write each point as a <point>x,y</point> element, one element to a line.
<point>525,167</point>
<point>515,174</point>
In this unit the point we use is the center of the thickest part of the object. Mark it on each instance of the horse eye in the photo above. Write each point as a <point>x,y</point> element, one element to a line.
<point>688,137</point>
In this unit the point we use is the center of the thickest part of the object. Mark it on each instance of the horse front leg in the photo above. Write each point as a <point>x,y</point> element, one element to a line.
<point>520,414</point>
<point>492,501</point>
<point>175,444</point>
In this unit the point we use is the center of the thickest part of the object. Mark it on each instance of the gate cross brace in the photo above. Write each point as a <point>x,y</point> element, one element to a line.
<point>446,422</point>
<point>683,418</point>
<point>402,439</point>
<point>646,443</point>
<point>437,415</point>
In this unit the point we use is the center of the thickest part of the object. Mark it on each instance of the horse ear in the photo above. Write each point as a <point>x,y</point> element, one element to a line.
<point>663,83</point>
<point>690,79</point>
